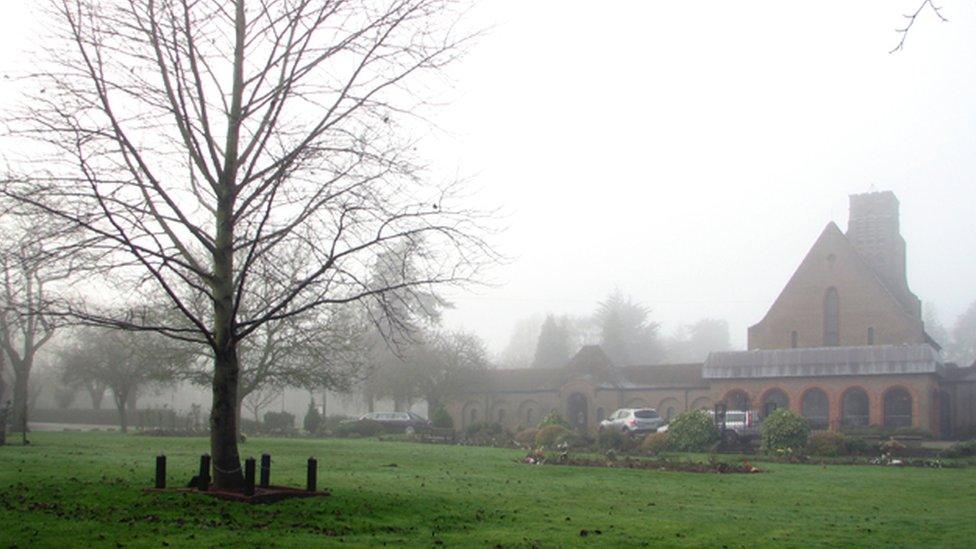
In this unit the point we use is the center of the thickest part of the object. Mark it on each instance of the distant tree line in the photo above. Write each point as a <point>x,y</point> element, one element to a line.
<point>622,327</point>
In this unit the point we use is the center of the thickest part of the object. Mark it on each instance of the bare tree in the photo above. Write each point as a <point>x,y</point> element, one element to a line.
<point>124,362</point>
<point>321,349</point>
<point>434,369</point>
<point>260,399</point>
<point>204,142</point>
<point>33,257</point>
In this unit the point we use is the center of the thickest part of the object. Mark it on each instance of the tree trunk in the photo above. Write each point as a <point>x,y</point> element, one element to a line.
<point>223,424</point>
<point>224,430</point>
<point>96,394</point>
<point>21,396</point>
<point>120,402</point>
<point>3,384</point>
<point>237,414</point>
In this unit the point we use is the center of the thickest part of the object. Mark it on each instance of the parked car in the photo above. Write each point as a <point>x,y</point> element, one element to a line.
<point>740,425</point>
<point>407,422</point>
<point>632,421</point>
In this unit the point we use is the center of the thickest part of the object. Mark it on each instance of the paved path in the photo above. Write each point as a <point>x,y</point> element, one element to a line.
<point>39,426</point>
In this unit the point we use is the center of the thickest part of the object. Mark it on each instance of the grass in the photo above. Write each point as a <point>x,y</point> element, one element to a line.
<point>71,489</point>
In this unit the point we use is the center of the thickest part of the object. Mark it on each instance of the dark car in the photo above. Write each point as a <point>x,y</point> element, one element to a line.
<point>406,422</point>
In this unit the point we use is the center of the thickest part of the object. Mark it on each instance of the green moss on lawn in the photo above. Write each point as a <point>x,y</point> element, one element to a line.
<point>71,489</point>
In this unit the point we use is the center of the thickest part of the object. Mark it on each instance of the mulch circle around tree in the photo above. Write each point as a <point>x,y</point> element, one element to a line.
<point>270,494</point>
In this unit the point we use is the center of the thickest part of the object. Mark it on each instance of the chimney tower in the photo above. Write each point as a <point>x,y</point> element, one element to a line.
<point>873,229</point>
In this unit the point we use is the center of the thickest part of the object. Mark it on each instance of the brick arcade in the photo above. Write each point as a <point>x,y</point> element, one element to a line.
<point>843,345</point>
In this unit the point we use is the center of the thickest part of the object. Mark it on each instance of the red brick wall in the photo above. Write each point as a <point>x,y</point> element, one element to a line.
<point>921,387</point>
<point>864,302</point>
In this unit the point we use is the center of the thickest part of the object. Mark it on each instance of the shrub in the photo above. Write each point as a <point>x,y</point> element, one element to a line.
<point>486,433</point>
<point>784,430</point>
<point>572,439</point>
<point>655,443</point>
<point>692,432</point>
<point>892,447</point>
<point>483,428</point>
<point>553,418</point>
<point>330,424</point>
<point>827,444</point>
<point>961,449</point>
<point>361,427</point>
<point>879,431</point>
<point>548,436</point>
<point>857,446</point>
<point>526,437</point>
<point>440,419</point>
<point>911,432</point>
<point>249,426</point>
<point>313,419</point>
<point>612,439</point>
<point>279,422</point>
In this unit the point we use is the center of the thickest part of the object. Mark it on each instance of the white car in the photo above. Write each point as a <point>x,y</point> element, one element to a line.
<point>632,421</point>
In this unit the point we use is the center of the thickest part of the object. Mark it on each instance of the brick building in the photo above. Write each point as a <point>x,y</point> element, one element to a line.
<point>843,344</point>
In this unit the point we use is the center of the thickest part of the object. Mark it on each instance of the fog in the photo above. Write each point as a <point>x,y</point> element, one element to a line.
<point>690,153</point>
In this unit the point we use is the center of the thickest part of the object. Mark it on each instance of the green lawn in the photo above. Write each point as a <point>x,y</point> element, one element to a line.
<point>71,489</point>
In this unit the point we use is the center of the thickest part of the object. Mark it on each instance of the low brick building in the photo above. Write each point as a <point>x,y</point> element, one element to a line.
<point>843,344</point>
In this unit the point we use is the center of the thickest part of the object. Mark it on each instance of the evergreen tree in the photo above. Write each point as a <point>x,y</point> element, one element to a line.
<point>313,419</point>
<point>552,349</point>
<point>626,334</point>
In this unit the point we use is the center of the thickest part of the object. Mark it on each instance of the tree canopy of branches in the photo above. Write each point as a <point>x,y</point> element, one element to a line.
<point>626,334</point>
<point>435,369</point>
<point>322,349</point>
<point>34,256</point>
<point>125,362</point>
<point>693,342</point>
<point>207,142</point>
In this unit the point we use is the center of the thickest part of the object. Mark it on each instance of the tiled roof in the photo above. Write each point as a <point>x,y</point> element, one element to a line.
<point>592,363</point>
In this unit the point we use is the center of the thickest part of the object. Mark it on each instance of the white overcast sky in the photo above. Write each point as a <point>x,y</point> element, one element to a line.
<point>690,153</point>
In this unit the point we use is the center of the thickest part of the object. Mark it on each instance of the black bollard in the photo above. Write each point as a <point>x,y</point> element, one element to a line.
<point>204,478</point>
<point>249,477</point>
<point>265,470</point>
<point>313,469</point>
<point>160,472</point>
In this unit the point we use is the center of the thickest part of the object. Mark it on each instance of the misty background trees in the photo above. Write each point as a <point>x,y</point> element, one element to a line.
<point>622,326</point>
<point>959,341</point>
<point>126,363</point>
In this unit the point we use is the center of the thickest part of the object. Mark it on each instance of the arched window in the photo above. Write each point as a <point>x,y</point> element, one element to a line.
<point>871,335</point>
<point>854,408</point>
<point>528,418</point>
<point>831,318</point>
<point>897,408</point>
<point>793,339</point>
<point>472,416</point>
<point>600,415</point>
<point>670,413</point>
<point>814,407</point>
<point>775,399</point>
<point>737,400</point>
